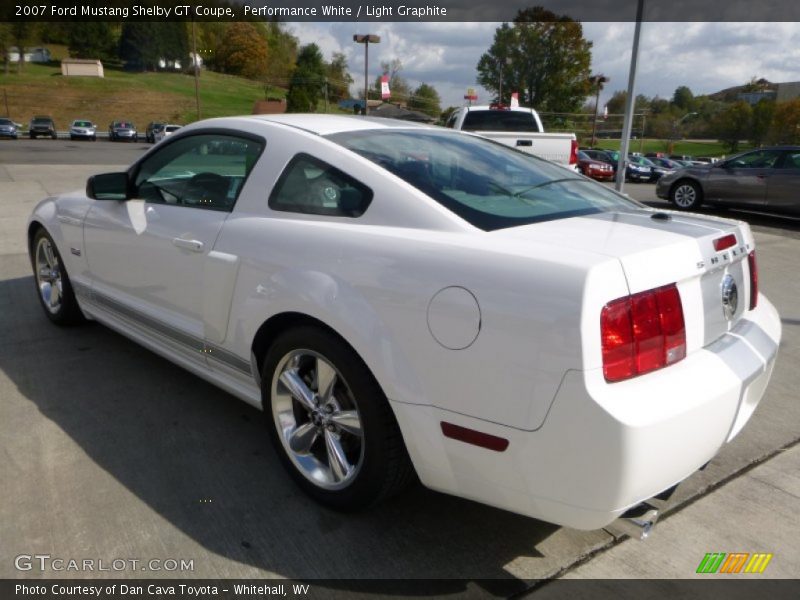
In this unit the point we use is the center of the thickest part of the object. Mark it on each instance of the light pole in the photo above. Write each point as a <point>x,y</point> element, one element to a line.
<point>366,39</point>
<point>598,81</point>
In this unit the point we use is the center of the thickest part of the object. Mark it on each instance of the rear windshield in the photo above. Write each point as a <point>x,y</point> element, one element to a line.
<point>485,183</point>
<point>500,120</point>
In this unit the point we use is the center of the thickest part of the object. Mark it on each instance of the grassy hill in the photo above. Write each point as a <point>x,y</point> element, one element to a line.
<point>138,97</point>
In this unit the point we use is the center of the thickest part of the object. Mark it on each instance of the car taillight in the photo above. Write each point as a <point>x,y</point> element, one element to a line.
<point>573,153</point>
<point>642,332</point>
<point>751,263</point>
<point>724,242</point>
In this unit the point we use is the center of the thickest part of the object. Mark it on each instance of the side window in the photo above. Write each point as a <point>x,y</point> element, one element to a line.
<point>791,160</point>
<point>761,159</point>
<point>308,185</point>
<point>201,171</point>
<point>451,120</point>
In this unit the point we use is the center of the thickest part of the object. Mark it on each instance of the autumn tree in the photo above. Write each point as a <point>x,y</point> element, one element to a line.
<point>426,99</point>
<point>308,79</point>
<point>733,124</point>
<point>242,51</point>
<point>786,123</point>
<point>543,56</point>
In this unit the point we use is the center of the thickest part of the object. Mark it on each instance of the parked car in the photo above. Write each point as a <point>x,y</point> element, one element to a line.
<point>371,284</point>
<point>768,178</point>
<point>150,131</point>
<point>42,125</point>
<point>122,130</point>
<point>595,169</point>
<point>602,156</point>
<point>165,131</point>
<point>8,129</point>
<point>518,127</point>
<point>667,163</point>
<point>655,171</point>
<point>83,130</point>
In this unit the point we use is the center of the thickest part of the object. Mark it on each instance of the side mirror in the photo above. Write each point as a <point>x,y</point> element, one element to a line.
<point>108,186</point>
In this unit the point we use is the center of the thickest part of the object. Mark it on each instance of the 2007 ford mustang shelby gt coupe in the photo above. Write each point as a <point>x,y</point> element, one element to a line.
<point>404,299</point>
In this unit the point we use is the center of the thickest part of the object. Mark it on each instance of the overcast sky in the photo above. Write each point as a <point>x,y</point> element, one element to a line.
<point>706,57</point>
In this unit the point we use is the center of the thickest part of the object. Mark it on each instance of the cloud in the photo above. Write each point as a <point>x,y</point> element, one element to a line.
<point>706,57</point>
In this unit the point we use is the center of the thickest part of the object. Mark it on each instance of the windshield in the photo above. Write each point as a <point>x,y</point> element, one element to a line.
<point>171,128</point>
<point>41,121</point>
<point>6,122</point>
<point>485,183</point>
<point>82,124</point>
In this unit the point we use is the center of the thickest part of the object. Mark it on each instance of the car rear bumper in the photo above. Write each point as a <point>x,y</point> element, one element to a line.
<point>605,447</point>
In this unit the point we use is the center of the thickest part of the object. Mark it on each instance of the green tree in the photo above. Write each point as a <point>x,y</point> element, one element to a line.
<point>786,123</point>
<point>543,56</point>
<point>242,51</point>
<point>683,98</point>
<point>426,99</point>
<point>22,32</point>
<point>92,39</point>
<point>338,78</point>
<point>5,44</point>
<point>305,88</point>
<point>733,124</point>
<point>143,45</point>
<point>761,121</point>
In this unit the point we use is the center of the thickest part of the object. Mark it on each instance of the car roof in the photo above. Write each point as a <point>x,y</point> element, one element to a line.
<point>322,124</point>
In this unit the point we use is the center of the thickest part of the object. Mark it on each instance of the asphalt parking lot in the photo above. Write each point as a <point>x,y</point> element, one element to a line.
<point>112,452</point>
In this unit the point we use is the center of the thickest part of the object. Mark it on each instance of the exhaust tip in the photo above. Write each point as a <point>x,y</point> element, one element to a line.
<point>638,522</point>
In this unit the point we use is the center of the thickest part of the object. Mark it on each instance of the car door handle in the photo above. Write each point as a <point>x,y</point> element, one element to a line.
<point>524,143</point>
<point>193,245</point>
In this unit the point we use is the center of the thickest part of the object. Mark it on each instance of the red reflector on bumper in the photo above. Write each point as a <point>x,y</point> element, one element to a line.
<point>725,242</point>
<point>476,438</point>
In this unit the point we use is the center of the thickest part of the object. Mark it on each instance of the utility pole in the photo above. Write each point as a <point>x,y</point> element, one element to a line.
<point>597,81</point>
<point>196,63</point>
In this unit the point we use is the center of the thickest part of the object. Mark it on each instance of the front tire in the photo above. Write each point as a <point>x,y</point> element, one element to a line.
<point>330,422</point>
<point>53,286</point>
<point>686,195</point>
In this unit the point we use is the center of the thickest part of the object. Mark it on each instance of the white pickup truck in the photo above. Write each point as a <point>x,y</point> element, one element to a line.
<point>519,128</point>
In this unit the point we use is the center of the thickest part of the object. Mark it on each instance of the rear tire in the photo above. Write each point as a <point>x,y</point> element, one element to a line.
<point>686,195</point>
<point>53,286</point>
<point>334,431</point>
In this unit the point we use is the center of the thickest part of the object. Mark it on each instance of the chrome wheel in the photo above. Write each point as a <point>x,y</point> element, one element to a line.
<point>48,275</point>
<point>685,195</point>
<point>317,419</point>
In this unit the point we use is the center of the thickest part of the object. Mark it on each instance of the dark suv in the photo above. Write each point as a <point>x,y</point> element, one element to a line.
<point>42,126</point>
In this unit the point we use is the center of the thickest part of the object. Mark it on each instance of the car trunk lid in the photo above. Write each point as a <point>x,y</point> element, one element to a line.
<point>657,248</point>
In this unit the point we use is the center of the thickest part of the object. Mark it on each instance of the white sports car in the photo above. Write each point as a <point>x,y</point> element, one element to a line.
<point>404,299</point>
